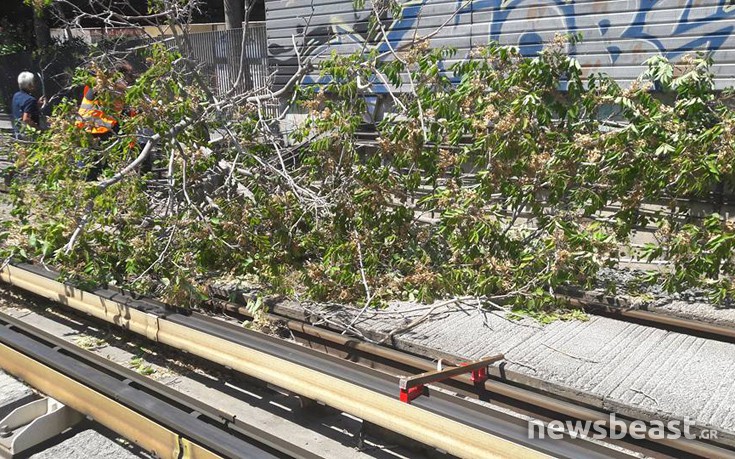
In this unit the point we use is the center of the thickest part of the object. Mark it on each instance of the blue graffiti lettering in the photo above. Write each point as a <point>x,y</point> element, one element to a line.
<point>711,41</point>
<point>614,38</point>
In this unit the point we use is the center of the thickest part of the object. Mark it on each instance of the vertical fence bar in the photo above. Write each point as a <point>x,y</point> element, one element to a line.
<point>222,55</point>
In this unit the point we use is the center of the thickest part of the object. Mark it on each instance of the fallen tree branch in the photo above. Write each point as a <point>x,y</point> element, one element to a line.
<point>102,186</point>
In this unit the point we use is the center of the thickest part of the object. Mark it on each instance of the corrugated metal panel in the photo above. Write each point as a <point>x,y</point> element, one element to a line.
<point>618,35</point>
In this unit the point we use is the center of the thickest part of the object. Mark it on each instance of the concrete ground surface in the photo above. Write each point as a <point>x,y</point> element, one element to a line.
<point>640,371</point>
<point>97,443</point>
<point>329,434</point>
<point>12,394</point>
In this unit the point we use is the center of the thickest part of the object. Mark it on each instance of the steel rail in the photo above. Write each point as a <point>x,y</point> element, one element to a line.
<point>129,424</point>
<point>447,406</point>
<point>460,433</point>
<point>153,395</point>
<point>135,415</point>
<point>657,320</point>
<point>518,389</point>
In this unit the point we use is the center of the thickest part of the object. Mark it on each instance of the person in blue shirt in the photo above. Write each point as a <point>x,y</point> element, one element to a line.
<point>26,108</point>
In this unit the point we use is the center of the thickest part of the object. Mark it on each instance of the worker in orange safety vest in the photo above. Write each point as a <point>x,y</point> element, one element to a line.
<point>93,118</point>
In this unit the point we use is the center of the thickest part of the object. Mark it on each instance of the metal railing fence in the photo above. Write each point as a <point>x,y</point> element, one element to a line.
<point>227,61</point>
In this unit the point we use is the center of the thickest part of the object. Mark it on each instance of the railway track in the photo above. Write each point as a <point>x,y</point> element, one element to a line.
<point>153,416</point>
<point>448,423</point>
<point>443,421</point>
<point>512,390</point>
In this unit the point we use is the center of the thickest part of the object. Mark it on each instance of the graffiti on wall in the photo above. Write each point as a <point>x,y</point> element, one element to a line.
<point>688,21</point>
<point>615,33</point>
<point>697,25</point>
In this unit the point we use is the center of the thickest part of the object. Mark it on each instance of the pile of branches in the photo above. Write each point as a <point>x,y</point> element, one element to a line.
<point>487,178</point>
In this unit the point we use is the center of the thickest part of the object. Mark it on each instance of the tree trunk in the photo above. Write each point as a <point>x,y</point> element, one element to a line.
<point>41,29</point>
<point>233,14</point>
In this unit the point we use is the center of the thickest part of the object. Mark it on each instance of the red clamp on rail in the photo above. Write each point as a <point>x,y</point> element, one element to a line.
<point>413,392</point>
<point>479,376</point>
<point>412,387</point>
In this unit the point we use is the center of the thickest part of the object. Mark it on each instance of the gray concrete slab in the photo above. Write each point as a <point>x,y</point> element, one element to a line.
<point>5,207</point>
